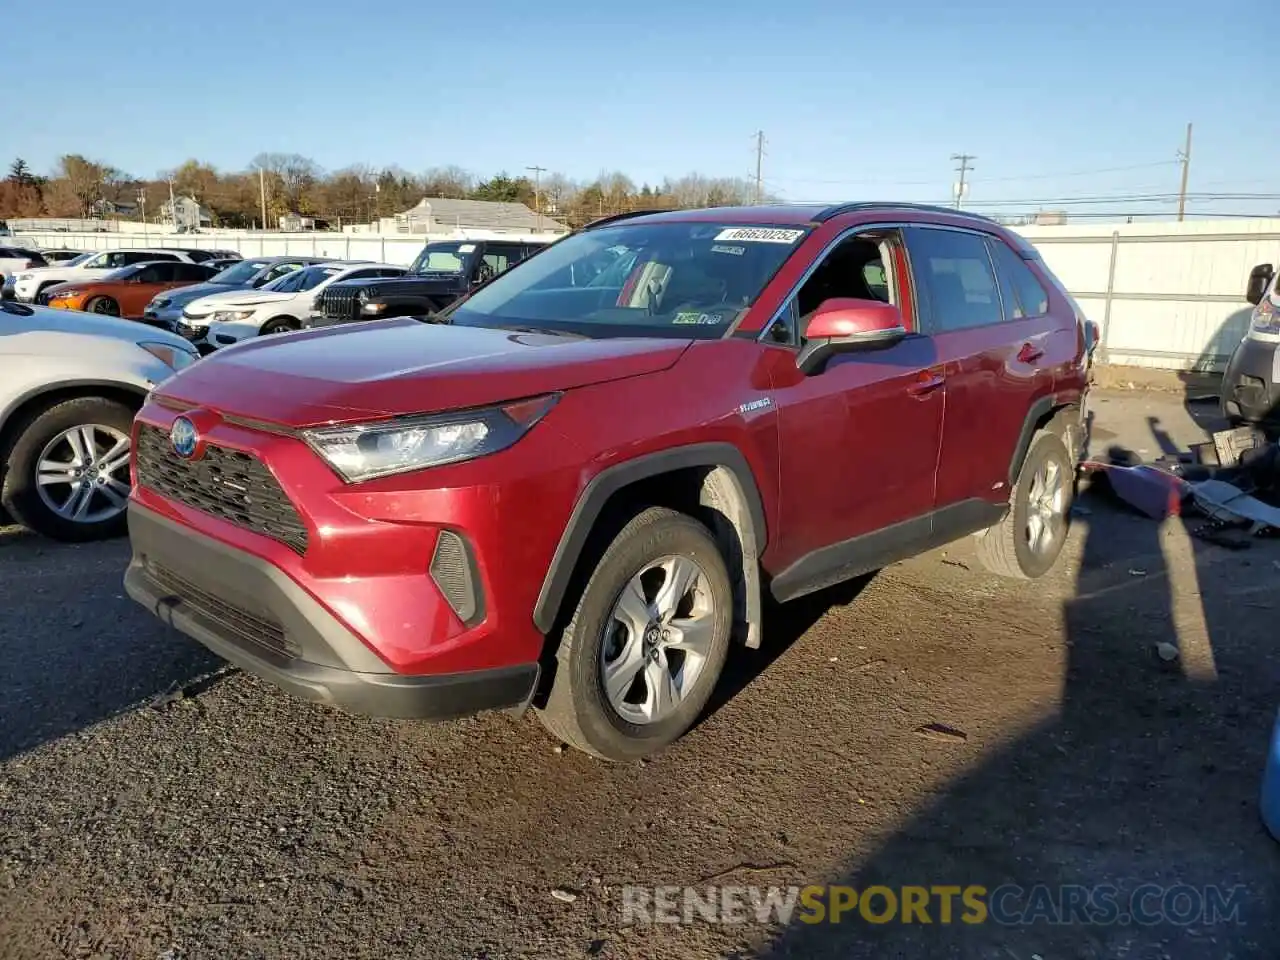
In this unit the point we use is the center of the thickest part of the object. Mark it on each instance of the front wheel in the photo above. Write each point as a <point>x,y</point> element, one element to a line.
<point>68,470</point>
<point>646,644</point>
<point>1026,544</point>
<point>278,325</point>
<point>104,306</point>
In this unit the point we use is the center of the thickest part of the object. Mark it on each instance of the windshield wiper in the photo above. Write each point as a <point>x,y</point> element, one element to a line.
<point>549,332</point>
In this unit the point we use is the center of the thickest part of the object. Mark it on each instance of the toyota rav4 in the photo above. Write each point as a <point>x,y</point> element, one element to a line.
<point>576,488</point>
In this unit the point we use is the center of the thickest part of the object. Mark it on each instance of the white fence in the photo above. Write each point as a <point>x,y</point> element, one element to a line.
<point>1167,295</point>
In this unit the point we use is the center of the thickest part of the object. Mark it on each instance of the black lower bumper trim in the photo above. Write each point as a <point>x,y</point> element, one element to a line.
<point>239,595</point>
<point>1249,390</point>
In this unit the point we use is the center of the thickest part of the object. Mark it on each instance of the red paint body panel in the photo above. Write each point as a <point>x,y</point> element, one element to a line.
<point>875,438</point>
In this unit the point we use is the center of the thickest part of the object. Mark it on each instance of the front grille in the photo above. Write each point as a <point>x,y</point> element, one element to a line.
<point>231,485</point>
<point>338,303</point>
<point>234,620</point>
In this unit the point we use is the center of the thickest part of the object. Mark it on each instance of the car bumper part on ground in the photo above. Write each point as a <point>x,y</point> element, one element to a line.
<point>249,612</point>
<point>1249,386</point>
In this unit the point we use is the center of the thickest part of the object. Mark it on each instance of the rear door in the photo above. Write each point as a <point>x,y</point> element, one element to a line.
<point>992,356</point>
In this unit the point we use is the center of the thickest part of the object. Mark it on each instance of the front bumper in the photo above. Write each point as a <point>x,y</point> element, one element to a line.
<point>1250,390</point>
<point>251,613</point>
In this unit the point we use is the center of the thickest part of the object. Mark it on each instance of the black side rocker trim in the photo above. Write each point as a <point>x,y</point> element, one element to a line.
<point>612,479</point>
<point>852,558</point>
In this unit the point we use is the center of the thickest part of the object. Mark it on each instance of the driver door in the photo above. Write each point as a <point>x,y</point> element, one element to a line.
<point>859,440</point>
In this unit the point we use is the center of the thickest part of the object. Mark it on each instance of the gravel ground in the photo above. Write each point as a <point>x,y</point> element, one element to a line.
<point>154,805</point>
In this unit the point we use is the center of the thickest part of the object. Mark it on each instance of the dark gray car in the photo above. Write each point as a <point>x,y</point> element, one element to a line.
<point>166,309</point>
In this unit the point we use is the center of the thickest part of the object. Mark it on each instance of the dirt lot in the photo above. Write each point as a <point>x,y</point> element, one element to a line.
<point>233,821</point>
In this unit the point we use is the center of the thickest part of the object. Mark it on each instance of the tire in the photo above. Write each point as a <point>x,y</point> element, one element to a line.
<point>35,440</point>
<point>105,306</point>
<point>278,325</point>
<point>579,710</point>
<point>1006,549</point>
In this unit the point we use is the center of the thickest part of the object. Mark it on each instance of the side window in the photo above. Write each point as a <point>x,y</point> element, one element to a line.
<point>499,258</point>
<point>954,270</point>
<point>854,269</point>
<point>1032,300</point>
<point>188,271</point>
<point>153,273</point>
<point>280,269</point>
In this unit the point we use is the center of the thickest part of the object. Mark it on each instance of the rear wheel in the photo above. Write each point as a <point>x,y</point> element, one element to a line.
<point>278,325</point>
<point>647,641</point>
<point>103,305</point>
<point>68,470</point>
<point>1026,544</point>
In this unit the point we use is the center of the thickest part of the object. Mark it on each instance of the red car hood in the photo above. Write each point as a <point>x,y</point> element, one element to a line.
<point>394,367</point>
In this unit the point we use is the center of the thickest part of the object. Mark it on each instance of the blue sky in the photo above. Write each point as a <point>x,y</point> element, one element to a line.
<point>856,99</point>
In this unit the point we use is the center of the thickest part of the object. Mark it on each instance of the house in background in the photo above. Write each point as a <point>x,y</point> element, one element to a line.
<point>296,223</point>
<point>439,215</point>
<point>102,209</point>
<point>189,213</point>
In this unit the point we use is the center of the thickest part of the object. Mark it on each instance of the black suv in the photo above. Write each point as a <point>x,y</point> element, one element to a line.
<point>442,272</point>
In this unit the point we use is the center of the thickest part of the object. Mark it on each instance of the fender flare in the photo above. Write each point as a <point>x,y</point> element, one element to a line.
<point>592,500</point>
<point>1040,412</point>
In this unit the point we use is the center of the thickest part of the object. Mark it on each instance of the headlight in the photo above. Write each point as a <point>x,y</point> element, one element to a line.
<point>372,309</point>
<point>230,316</point>
<point>367,450</point>
<point>159,302</point>
<point>22,276</point>
<point>172,356</point>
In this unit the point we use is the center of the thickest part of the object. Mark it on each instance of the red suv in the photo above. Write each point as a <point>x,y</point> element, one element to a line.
<point>574,489</point>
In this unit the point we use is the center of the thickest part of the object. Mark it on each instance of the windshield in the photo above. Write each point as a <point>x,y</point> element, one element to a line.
<point>443,258</point>
<point>686,280</point>
<point>77,260</point>
<point>300,280</point>
<point>241,272</point>
<point>122,273</point>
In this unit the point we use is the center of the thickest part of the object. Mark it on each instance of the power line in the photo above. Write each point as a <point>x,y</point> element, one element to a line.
<point>1012,179</point>
<point>964,159</point>
<point>759,165</point>
<point>1185,156</point>
<point>537,191</point>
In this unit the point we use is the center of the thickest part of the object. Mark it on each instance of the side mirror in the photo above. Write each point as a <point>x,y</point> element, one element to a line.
<point>841,325</point>
<point>1259,277</point>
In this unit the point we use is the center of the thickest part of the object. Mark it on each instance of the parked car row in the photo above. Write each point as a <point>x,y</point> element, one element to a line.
<point>283,305</point>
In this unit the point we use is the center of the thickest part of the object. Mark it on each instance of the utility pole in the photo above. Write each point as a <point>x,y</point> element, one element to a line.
<point>262,189</point>
<point>537,192</point>
<point>173,208</point>
<point>759,165</point>
<point>965,159</point>
<point>1185,156</point>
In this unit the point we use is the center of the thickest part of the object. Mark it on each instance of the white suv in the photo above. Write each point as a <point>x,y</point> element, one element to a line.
<point>282,305</point>
<point>70,384</point>
<point>28,284</point>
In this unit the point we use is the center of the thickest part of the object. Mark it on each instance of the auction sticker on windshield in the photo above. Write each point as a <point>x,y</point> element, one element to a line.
<point>759,235</point>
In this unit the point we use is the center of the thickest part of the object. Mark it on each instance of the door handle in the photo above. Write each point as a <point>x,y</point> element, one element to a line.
<point>927,382</point>
<point>1030,353</point>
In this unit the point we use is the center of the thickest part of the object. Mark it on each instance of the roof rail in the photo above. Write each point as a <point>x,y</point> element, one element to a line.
<point>843,208</point>
<point>614,218</point>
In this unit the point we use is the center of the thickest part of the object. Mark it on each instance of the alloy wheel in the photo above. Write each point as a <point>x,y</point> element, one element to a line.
<point>82,474</point>
<point>657,639</point>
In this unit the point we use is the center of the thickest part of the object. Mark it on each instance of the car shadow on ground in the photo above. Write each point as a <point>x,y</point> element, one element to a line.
<point>784,624</point>
<point>1140,790</point>
<point>45,690</point>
